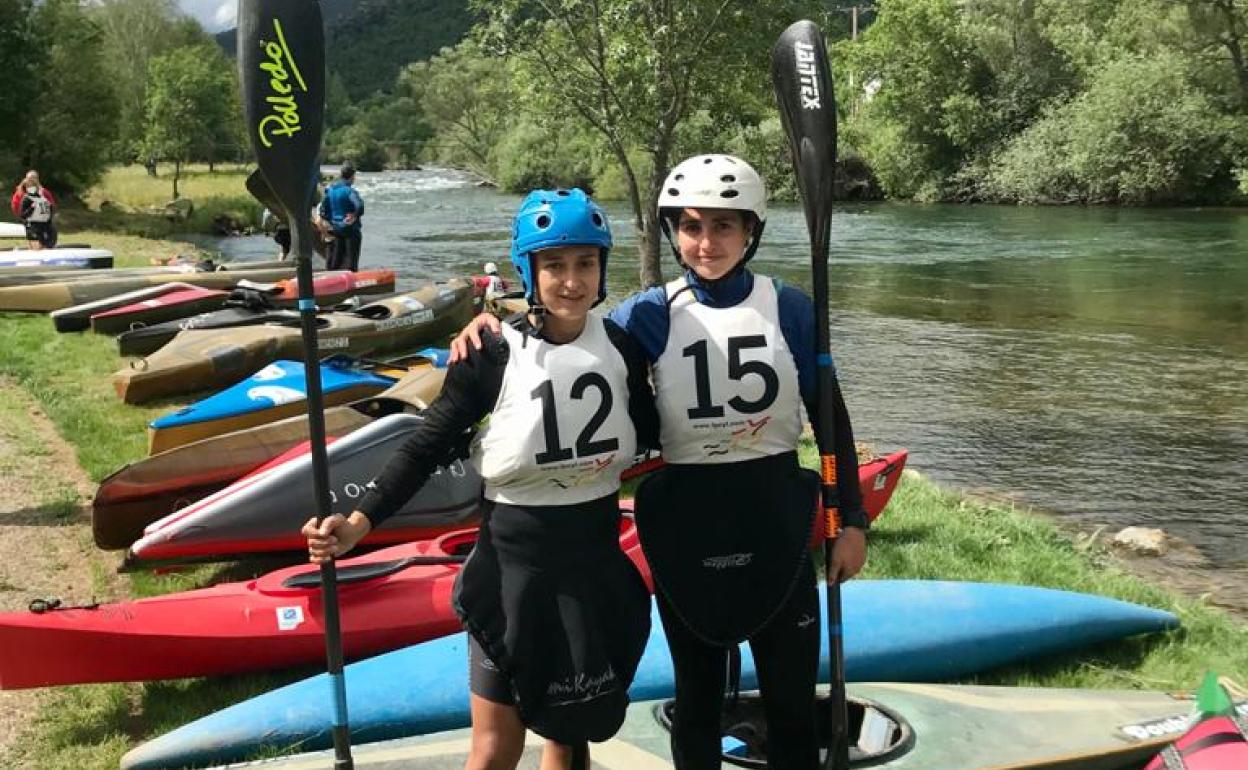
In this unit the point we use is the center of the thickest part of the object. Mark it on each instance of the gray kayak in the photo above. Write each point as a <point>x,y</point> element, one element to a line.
<point>264,511</point>
<point>894,726</point>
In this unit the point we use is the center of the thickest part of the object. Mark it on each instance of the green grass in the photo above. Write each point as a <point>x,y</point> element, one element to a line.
<point>132,187</point>
<point>927,532</point>
<point>128,200</point>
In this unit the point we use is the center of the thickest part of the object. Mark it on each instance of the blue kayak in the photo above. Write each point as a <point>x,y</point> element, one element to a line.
<point>895,630</point>
<point>275,392</point>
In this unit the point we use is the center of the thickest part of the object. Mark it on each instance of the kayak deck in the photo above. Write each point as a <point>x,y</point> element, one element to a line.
<point>908,727</point>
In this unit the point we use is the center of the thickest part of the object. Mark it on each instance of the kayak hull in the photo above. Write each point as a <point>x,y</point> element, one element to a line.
<point>55,295</point>
<point>151,489</point>
<point>76,318</point>
<point>275,392</point>
<point>85,259</point>
<point>201,359</point>
<point>263,511</point>
<point>173,305</point>
<point>256,625</point>
<point>423,688</point>
<point>146,330</point>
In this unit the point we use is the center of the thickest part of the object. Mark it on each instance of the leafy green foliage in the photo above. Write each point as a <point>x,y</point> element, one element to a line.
<point>70,122</point>
<point>357,144</point>
<point>133,32</point>
<point>1141,133</point>
<point>467,98</point>
<point>192,100</point>
<point>17,43</point>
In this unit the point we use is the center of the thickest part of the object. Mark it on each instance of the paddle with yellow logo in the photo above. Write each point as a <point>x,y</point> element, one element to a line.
<point>281,62</point>
<point>803,86</point>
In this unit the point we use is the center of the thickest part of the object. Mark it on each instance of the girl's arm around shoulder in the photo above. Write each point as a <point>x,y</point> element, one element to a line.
<point>641,406</point>
<point>468,395</point>
<point>644,318</point>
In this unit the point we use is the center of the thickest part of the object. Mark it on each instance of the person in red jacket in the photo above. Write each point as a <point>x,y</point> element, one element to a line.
<point>35,205</point>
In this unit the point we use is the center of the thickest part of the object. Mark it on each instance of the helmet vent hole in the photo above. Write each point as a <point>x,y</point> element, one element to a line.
<point>543,221</point>
<point>728,194</point>
<point>563,193</point>
<point>727,178</point>
<point>708,161</point>
<point>673,191</point>
<point>679,177</point>
<point>597,219</point>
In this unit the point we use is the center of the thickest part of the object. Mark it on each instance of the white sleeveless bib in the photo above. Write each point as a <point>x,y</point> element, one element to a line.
<point>560,433</point>
<point>40,209</point>
<point>726,383</point>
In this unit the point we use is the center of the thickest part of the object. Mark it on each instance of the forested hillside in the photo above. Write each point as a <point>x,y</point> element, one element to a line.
<point>369,41</point>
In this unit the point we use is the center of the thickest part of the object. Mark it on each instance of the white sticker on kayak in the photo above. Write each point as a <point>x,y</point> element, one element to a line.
<point>270,372</point>
<point>289,618</point>
<point>275,394</point>
<point>881,481</point>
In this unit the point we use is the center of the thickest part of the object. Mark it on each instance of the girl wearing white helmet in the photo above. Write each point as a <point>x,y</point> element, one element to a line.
<point>547,596</point>
<point>727,523</point>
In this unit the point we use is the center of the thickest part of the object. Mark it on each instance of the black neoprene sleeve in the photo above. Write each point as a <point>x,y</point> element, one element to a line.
<point>848,492</point>
<point>468,395</point>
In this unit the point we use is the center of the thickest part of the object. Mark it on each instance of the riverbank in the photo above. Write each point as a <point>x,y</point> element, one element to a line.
<point>129,201</point>
<point>62,380</point>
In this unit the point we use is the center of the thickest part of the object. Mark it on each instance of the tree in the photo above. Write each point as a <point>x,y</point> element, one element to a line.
<point>190,93</point>
<point>18,50</point>
<point>1222,26</point>
<point>71,122</point>
<point>467,98</point>
<point>927,117</point>
<point>634,70</point>
<point>133,33</point>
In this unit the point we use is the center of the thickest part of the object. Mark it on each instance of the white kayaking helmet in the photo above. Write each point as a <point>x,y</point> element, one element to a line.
<point>490,268</point>
<point>713,182</point>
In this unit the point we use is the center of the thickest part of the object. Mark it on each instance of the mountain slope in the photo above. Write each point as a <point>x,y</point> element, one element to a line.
<point>369,41</point>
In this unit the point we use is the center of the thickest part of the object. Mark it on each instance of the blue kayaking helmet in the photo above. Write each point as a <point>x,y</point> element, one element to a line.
<point>550,218</point>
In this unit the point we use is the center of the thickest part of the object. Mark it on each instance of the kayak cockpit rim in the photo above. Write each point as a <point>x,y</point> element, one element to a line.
<point>876,732</point>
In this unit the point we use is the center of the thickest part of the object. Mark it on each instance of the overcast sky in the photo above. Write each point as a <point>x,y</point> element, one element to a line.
<point>215,15</point>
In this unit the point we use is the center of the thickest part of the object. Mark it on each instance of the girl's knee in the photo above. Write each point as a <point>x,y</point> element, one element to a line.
<point>494,750</point>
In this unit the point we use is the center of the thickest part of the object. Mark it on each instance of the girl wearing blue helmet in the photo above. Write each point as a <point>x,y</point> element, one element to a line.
<point>549,599</point>
<point>726,524</point>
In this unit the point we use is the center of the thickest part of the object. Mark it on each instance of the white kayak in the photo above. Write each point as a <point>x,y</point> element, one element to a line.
<point>83,258</point>
<point>12,230</point>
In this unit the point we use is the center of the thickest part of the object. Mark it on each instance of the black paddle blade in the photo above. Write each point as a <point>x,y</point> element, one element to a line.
<point>281,65</point>
<point>803,84</point>
<point>259,188</point>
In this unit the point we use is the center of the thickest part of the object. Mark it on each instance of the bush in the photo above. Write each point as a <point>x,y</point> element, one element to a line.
<point>532,156</point>
<point>1141,133</point>
<point>357,144</point>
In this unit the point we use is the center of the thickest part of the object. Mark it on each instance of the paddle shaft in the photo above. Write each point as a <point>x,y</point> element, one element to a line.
<point>803,86</point>
<point>281,45</point>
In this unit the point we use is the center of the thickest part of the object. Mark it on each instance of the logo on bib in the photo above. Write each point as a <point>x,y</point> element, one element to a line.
<point>729,561</point>
<point>585,472</point>
<point>745,437</point>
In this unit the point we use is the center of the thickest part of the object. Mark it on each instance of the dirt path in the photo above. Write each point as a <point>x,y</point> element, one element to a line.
<point>45,532</point>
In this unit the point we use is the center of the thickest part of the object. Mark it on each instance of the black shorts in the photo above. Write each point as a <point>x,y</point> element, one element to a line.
<point>43,233</point>
<point>484,678</point>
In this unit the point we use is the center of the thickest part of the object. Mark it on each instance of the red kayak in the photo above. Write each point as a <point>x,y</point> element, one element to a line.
<point>330,288</point>
<point>166,307</point>
<point>389,599</point>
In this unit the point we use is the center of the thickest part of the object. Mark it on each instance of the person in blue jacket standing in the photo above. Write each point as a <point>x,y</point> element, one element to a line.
<point>342,208</point>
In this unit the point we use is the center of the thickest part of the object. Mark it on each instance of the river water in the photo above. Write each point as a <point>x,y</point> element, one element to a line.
<point>1089,362</point>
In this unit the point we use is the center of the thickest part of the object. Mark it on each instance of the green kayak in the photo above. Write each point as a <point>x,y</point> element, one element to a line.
<point>893,727</point>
